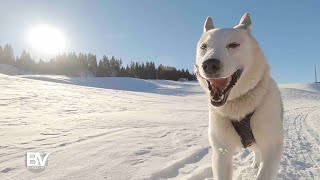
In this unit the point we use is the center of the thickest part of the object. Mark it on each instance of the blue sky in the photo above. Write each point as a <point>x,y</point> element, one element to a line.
<point>167,31</point>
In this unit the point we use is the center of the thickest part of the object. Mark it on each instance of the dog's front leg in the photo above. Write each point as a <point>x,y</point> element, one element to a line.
<point>270,160</point>
<point>222,165</point>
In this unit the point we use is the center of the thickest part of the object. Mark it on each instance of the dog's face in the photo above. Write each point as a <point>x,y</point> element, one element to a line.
<point>223,55</point>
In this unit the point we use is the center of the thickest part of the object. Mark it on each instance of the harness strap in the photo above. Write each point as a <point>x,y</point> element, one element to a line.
<point>244,130</point>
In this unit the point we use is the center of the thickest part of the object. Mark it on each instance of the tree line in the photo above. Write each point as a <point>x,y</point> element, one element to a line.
<point>83,64</point>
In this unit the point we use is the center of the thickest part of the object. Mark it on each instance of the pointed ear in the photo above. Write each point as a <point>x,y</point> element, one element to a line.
<point>245,22</point>
<point>208,24</point>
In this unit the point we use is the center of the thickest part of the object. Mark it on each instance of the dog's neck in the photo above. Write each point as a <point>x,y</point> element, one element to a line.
<point>250,100</point>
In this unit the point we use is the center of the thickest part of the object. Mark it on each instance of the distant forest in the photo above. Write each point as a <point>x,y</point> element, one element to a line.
<point>82,64</point>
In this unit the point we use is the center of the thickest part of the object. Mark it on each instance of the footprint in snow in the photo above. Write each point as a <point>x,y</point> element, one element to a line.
<point>141,152</point>
<point>5,170</point>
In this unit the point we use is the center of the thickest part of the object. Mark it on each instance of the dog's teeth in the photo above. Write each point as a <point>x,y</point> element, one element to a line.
<point>221,98</point>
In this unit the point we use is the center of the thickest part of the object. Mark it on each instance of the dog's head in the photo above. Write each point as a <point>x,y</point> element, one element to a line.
<point>229,61</point>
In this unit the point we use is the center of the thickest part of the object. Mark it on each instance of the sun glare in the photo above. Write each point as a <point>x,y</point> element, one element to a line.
<point>46,39</point>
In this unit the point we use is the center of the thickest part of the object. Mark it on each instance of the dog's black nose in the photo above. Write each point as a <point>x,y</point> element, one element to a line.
<point>211,65</point>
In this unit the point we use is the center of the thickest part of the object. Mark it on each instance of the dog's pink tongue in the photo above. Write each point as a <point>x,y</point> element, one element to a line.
<point>219,83</point>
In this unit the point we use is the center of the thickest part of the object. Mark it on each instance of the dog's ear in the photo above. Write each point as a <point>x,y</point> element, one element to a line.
<point>245,22</point>
<point>208,24</point>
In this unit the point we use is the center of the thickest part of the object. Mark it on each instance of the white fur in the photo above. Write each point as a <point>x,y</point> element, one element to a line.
<point>254,91</point>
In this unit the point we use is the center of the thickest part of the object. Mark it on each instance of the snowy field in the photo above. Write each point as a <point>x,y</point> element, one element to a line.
<point>125,128</point>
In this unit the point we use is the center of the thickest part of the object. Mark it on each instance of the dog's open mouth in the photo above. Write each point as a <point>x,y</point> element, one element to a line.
<point>220,87</point>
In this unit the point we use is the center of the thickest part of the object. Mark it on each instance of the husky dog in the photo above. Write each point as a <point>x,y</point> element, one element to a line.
<point>245,106</point>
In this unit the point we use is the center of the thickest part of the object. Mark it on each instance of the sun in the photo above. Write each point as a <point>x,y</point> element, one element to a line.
<point>47,39</point>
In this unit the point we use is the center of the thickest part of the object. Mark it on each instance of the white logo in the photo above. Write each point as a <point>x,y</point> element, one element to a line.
<point>36,160</point>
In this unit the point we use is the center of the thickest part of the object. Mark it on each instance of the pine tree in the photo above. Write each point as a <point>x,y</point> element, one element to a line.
<point>7,55</point>
<point>74,65</point>
<point>25,61</point>
<point>1,56</point>
<point>100,69</point>
<point>92,64</point>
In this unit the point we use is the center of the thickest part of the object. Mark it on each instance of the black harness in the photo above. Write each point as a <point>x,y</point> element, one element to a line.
<point>244,130</point>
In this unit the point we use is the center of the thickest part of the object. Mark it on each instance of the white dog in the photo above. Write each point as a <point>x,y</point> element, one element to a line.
<point>245,107</point>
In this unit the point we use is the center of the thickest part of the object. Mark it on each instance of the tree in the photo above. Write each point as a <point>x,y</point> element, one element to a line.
<point>7,55</point>
<point>104,66</point>
<point>167,72</point>
<point>92,64</point>
<point>100,69</point>
<point>115,66</point>
<point>1,56</point>
<point>25,61</point>
<point>73,64</point>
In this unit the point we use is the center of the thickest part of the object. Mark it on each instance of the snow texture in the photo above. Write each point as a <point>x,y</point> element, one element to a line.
<point>126,128</point>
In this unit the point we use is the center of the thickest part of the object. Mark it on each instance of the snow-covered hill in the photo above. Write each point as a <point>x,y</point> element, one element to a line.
<point>125,128</point>
<point>164,87</point>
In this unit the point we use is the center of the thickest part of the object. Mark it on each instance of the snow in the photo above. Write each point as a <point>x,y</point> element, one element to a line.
<point>126,128</point>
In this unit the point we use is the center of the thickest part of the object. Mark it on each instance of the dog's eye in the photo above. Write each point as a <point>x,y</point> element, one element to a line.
<point>232,45</point>
<point>204,46</point>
